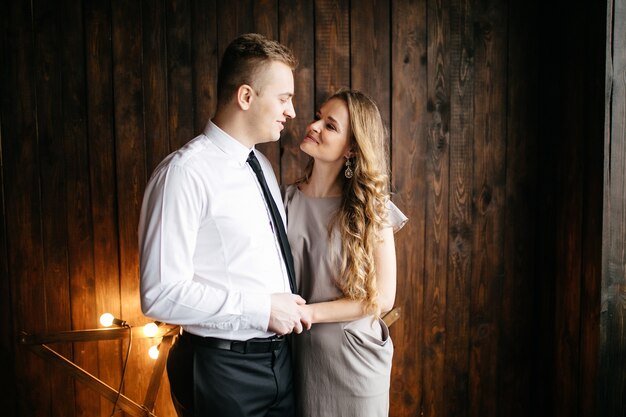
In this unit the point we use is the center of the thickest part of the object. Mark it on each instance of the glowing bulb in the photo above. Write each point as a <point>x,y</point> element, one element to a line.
<point>153,352</point>
<point>106,319</point>
<point>150,329</point>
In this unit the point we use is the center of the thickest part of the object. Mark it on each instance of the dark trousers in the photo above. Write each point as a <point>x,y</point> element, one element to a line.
<point>209,382</point>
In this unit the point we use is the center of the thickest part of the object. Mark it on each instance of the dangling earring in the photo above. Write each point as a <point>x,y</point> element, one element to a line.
<point>348,172</point>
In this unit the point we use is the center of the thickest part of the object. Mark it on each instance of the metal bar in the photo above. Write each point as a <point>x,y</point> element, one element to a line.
<point>125,403</point>
<point>157,372</point>
<point>111,333</point>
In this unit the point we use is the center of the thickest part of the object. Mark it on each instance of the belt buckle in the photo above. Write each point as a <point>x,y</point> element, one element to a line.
<point>256,346</point>
<point>239,347</point>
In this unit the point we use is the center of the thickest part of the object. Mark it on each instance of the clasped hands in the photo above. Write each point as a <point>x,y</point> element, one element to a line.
<point>288,314</point>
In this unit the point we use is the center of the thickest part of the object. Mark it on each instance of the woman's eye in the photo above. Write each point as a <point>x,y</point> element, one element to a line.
<point>330,127</point>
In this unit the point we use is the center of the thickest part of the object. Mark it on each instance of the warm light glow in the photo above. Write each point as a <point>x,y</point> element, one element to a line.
<point>150,329</point>
<point>153,352</point>
<point>106,319</point>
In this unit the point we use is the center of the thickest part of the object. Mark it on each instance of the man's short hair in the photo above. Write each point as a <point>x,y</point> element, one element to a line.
<point>244,58</point>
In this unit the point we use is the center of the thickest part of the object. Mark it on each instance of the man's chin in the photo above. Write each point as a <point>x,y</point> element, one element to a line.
<point>268,140</point>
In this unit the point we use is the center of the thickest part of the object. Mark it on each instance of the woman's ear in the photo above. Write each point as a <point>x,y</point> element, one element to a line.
<point>245,95</point>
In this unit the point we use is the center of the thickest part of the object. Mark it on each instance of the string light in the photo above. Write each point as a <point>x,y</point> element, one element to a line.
<point>151,329</point>
<point>107,320</point>
<point>153,352</point>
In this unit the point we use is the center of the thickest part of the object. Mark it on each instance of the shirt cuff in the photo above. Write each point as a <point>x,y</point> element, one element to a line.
<point>256,310</point>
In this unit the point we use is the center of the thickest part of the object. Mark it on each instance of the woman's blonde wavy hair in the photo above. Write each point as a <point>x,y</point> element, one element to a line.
<point>362,213</point>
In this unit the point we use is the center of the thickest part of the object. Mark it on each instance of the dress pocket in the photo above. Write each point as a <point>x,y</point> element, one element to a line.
<point>369,351</point>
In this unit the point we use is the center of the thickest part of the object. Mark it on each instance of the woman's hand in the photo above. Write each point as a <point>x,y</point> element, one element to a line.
<point>306,316</point>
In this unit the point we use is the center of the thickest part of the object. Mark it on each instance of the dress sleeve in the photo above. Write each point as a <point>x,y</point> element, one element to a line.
<point>395,217</point>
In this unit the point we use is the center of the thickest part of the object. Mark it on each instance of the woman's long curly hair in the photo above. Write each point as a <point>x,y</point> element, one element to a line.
<point>362,213</point>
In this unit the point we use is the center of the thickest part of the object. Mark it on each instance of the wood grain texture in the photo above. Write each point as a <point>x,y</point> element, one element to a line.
<point>332,48</point>
<point>77,196</point>
<point>23,204</point>
<point>130,174</point>
<point>264,20</point>
<point>612,373</point>
<point>49,73</point>
<point>205,61</point>
<point>515,359</point>
<point>409,120</point>
<point>156,85</point>
<point>465,236</point>
<point>489,30</point>
<point>297,33</point>
<point>370,53</point>
<point>496,156</point>
<point>437,209</point>
<point>179,72</point>
<point>101,144</point>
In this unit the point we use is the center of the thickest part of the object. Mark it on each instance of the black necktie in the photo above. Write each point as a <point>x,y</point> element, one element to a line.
<point>276,219</point>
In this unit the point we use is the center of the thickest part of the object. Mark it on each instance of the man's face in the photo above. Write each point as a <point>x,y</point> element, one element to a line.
<point>272,105</point>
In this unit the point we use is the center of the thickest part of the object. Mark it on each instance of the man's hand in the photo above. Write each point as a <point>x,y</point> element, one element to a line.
<point>285,314</point>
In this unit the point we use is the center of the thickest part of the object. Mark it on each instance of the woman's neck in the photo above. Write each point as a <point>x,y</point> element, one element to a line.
<point>324,181</point>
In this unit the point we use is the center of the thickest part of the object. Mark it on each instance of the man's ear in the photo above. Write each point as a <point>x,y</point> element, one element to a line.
<point>245,95</point>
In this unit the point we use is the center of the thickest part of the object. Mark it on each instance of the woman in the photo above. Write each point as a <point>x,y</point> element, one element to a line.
<point>340,227</point>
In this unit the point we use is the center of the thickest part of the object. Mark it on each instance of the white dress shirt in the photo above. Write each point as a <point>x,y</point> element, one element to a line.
<point>209,257</point>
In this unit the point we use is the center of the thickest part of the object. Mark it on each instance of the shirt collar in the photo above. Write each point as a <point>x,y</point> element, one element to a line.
<point>227,144</point>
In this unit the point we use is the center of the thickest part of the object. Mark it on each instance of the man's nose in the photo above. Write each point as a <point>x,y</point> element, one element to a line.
<point>290,111</point>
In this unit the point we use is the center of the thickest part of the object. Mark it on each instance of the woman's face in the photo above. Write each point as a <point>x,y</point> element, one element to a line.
<point>328,136</point>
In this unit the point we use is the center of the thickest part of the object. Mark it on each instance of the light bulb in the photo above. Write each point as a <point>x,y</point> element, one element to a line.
<point>153,352</point>
<point>150,329</point>
<point>107,320</point>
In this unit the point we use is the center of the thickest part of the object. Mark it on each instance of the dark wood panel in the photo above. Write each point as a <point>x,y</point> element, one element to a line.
<point>369,51</point>
<point>264,20</point>
<point>612,374</point>
<point>568,187</point>
<point>205,60</point>
<point>155,83</point>
<point>515,359</point>
<point>409,120</point>
<point>297,33</point>
<point>233,19</point>
<point>489,29</point>
<point>498,272</point>
<point>101,143</point>
<point>130,174</point>
<point>332,47</point>
<point>464,240</point>
<point>593,189</point>
<point>52,165</point>
<point>436,222</point>
<point>179,70</point>
<point>77,197</point>
<point>23,204</point>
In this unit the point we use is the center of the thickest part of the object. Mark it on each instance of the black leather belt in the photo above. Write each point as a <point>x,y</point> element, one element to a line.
<point>256,345</point>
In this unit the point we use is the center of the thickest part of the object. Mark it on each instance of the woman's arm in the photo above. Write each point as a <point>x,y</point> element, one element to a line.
<point>344,309</point>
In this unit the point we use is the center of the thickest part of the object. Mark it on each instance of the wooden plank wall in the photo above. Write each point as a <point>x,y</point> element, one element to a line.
<point>612,373</point>
<point>498,275</point>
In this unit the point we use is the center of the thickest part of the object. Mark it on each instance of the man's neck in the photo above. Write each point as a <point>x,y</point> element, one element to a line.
<point>235,128</point>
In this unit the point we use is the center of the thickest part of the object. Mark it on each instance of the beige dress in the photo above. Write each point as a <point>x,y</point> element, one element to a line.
<point>341,369</point>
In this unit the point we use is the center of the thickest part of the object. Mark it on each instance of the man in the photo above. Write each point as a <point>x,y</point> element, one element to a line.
<point>210,258</point>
